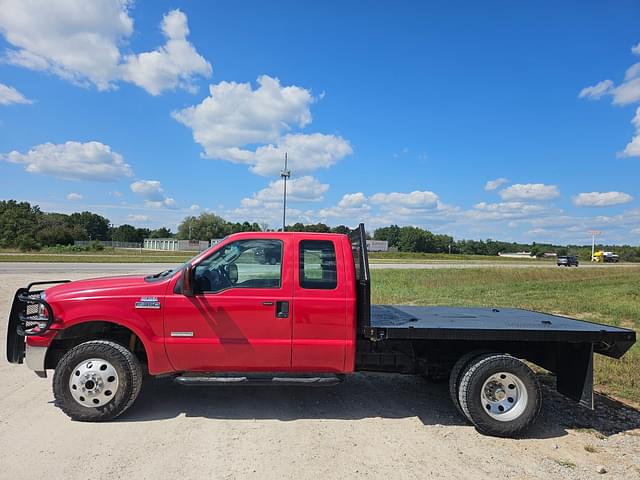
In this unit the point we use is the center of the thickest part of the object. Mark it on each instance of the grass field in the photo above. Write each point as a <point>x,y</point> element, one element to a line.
<point>609,296</point>
<point>399,257</point>
<point>109,255</point>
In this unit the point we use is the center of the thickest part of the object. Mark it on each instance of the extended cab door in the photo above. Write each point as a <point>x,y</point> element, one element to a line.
<point>322,332</point>
<point>239,318</point>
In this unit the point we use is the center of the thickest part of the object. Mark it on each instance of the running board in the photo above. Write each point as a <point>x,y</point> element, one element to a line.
<point>221,380</point>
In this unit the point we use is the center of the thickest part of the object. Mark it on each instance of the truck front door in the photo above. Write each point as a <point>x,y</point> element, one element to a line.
<point>239,318</point>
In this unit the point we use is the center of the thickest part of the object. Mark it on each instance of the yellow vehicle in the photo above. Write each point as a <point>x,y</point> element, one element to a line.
<point>604,257</point>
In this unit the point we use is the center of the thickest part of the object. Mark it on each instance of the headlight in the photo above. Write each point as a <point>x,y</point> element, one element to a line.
<point>42,311</point>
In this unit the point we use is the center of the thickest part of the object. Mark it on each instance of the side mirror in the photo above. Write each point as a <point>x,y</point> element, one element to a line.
<point>187,281</point>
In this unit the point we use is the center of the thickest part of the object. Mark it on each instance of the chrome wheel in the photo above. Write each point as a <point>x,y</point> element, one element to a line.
<point>504,396</point>
<point>93,382</point>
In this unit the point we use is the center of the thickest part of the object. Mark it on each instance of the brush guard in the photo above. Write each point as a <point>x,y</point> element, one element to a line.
<point>30,315</point>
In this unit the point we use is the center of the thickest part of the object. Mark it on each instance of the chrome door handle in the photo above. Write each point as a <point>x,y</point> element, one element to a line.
<point>267,304</point>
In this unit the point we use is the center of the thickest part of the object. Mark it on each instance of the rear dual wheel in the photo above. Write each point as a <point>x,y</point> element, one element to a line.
<point>498,393</point>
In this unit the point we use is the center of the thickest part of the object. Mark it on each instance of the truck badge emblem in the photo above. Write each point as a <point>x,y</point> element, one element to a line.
<point>148,302</point>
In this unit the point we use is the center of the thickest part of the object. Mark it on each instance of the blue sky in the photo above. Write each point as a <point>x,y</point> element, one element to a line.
<point>509,120</point>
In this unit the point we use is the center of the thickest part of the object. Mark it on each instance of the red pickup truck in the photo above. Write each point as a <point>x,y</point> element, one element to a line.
<point>291,309</point>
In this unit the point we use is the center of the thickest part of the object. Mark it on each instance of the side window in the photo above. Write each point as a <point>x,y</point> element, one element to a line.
<point>318,265</point>
<point>241,264</point>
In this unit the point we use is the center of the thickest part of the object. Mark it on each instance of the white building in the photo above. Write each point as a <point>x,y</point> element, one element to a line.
<point>377,246</point>
<point>175,245</point>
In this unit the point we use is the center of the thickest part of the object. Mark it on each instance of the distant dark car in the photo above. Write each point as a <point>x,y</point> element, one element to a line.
<point>567,261</point>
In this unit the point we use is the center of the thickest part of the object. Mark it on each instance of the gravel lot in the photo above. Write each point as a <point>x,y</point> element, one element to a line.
<point>371,426</point>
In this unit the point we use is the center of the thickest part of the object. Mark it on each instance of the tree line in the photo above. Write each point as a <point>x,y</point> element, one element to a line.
<point>414,239</point>
<point>26,227</point>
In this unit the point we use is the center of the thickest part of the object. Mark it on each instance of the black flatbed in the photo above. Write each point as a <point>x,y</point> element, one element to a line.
<point>508,324</point>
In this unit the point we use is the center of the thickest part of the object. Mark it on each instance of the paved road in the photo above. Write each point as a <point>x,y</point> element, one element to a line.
<point>31,268</point>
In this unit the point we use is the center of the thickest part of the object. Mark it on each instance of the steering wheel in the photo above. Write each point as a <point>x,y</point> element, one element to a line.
<point>229,273</point>
<point>232,273</point>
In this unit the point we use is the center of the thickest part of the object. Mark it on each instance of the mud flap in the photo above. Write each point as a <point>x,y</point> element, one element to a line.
<point>574,372</point>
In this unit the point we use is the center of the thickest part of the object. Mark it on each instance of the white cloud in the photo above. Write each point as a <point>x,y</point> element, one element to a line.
<point>73,161</point>
<point>626,93</point>
<point>235,115</point>
<point>152,193</point>
<point>194,207</point>
<point>9,95</point>
<point>601,199</point>
<point>351,207</point>
<point>74,196</point>
<point>633,147</point>
<point>303,189</point>
<point>170,66</point>
<point>352,200</point>
<point>83,45</point>
<point>69,39</point>
<point>150,189</point>
<point>306,153</point>
<point>253,126</point>
<point>416,199</point>
<point>598,90</point>
<point>493,184</point>
<point>530,191</point>
<point>138,218</point>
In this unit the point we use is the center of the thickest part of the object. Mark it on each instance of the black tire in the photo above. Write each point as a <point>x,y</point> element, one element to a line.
<point>471,386</point>
<point>456,375</point>
<point>129,375</point>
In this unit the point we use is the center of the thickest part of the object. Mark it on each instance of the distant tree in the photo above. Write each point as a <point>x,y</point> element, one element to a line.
<point>312,227</point>
<point>55,235</point>
<point>18,223</point>
<point>341,229</point>
<point>204,227</point>
<point>162,232</point>
<point>412,239</point>
<point>125,233</point>
<point>96,226</point>
<point>391,234</point>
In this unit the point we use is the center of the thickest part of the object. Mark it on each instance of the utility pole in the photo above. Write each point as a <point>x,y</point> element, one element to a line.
<point>284,174</point>
<point>593,234</point>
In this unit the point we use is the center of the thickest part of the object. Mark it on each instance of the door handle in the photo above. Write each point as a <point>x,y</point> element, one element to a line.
<point>282,309</point>
<point>267,304</point>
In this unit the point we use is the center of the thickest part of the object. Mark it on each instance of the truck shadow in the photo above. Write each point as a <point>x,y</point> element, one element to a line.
<point>362,396</point>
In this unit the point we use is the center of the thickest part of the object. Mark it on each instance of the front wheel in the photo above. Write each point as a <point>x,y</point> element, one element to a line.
<point>97,381</point>
<point>500,395</point>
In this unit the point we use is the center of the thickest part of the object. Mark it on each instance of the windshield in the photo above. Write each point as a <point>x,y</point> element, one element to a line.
<point>169,272</point>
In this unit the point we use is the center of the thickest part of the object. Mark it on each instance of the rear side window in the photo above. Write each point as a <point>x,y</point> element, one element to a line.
<point>318,265</point>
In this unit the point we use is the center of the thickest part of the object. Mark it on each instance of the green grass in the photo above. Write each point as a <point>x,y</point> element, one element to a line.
<point>398,257</point>
<point>609,296</point>
<point>108,255</point>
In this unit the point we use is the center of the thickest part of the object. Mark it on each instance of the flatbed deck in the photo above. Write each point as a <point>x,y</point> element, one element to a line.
<point>499,324</point>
